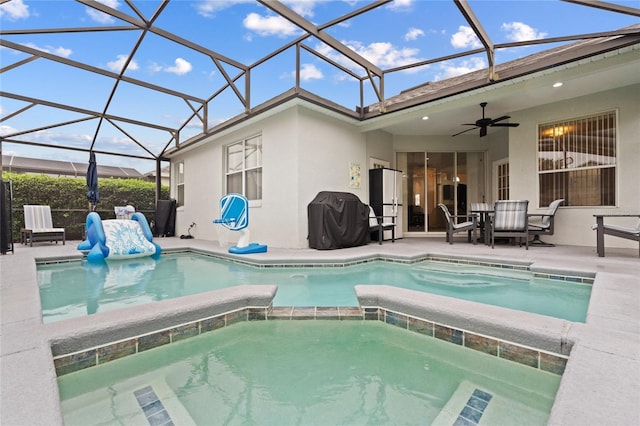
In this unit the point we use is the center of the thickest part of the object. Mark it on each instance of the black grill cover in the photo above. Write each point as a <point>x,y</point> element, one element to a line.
<point>337,220</point>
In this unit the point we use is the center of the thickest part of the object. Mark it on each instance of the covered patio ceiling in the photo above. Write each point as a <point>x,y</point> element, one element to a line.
<point>75,103</point>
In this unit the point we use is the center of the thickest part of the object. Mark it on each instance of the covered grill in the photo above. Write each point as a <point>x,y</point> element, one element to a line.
<point>337,220</point>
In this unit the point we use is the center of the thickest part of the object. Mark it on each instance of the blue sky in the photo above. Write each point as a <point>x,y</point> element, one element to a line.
<point>399,33</point>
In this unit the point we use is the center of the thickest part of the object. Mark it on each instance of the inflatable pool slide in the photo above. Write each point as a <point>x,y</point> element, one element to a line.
<point>118,238</point>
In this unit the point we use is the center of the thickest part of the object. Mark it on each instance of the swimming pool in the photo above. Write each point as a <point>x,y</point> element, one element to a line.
<point>308,372</point>
<point>78,288</point>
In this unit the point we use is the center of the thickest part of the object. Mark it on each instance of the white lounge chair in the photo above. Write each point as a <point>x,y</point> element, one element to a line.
<point>38,226</point>
<point>632,234</point>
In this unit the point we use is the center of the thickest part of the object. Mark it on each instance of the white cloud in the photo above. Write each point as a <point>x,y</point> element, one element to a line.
<point>7,130</point>
<point>181,67</point>
<point>155,67</point>
<point>14,10</point>
<point>269,25</point>
<point>100,17</point>
<point>453,69</point>
<point>53,137</point>
<point>382,54</point>
<point>302,7</point>
<point>413,34</point>
<point>400,5</point>
<point>60,51</point>
<point>208,8</point>
<point>517,31</point>
<point>310,72</point>
<point>465,38</point>
<point>116,66</point>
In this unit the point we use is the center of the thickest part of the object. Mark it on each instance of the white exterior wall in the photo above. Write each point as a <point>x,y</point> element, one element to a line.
<point>327,147</point>
<point>304,153</point>
<point>380,146</point>
<point>573,224</point>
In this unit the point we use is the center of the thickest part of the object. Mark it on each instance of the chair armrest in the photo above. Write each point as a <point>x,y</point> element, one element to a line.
<point>540,215</point>
<point>538,224</point>
<point>468,217</point>
<point>472,215</point>
<point>381,221</point>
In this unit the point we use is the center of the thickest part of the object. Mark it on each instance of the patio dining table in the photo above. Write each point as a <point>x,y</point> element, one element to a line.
<point>484,211</point>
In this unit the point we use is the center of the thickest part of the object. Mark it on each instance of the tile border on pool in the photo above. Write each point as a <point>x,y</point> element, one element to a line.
<point>539,359</point>
<point>572,277</point>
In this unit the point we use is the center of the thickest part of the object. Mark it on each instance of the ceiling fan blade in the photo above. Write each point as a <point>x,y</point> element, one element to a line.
<point>504,117</point>
<point>465,131</point>
<point>505,125</point>
<point>485,122</point>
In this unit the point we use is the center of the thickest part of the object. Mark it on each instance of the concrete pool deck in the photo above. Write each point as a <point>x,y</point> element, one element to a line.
<point>600,385</point>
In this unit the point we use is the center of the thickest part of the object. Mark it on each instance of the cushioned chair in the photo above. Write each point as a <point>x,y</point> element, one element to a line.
<point>38,226</point>
<point>542,223</point>
<point>510,220</point>
<point>377,224</point>
<point>470,225</point>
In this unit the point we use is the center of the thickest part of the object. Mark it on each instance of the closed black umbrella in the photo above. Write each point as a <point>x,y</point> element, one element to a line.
<point>92,182</point>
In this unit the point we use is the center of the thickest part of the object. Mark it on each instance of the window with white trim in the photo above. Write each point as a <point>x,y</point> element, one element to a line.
<point>577,160</point>
<point>502,180</point>
<point>244,168</point>
<point>180,183</point>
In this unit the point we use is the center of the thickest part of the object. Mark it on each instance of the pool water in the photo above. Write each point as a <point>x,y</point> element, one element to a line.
<point>308,372</point>
<point>79,288</point>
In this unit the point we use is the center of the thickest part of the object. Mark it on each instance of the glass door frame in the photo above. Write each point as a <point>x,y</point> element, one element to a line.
<point>442,183</point>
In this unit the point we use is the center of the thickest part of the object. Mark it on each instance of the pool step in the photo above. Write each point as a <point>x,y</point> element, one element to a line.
<point>472,404</point>
<point>461,270</point>
<point>152,407</point>
<point>145,399</point>
<point>430,278</point>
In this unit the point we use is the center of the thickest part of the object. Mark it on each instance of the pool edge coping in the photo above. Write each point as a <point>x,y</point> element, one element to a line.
<point>576,402</point>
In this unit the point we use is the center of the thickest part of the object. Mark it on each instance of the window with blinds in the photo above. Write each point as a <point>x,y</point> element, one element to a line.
<point>577,160</point>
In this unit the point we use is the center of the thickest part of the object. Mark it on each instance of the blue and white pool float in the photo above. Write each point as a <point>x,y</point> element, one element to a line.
<point>118,238</point>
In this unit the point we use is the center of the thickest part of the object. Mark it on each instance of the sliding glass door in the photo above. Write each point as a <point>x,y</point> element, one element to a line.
<point>454,179</point>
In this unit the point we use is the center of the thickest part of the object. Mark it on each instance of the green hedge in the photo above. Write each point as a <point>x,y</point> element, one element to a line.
<point>67,198</point>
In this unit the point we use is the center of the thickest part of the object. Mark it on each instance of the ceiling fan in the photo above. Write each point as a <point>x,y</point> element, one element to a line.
<point>483,123</point>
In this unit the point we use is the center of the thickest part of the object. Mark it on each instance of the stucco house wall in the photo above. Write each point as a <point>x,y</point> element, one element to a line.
<point>304,152</point>
<point>204,169</point>
<point>307,150</point>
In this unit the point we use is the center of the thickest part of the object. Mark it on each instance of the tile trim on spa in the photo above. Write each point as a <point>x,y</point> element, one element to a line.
<point>90,357</point>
